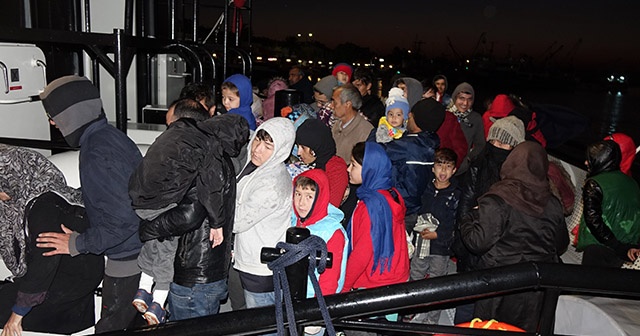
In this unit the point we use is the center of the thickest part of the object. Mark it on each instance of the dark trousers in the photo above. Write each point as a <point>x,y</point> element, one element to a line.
<point>601,256</point>
<point>236,292</point>
<point>117,311</point>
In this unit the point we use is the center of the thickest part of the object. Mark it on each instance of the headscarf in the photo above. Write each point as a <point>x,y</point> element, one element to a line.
<point>524,184</point>
<point>26,174</point>
<point>314,134</point>
<point>376,175</point>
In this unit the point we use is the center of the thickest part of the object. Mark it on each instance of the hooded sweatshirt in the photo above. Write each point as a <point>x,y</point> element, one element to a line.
<point>324,220</point>
<point>107,160</point>
<point>246,98</point>
<point>414,90</point>
<point>263,200</point>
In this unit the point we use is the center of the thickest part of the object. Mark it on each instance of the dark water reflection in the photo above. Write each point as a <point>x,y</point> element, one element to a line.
<point>607,113</point>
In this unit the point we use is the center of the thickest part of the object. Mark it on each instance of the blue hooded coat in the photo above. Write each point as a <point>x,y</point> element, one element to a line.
<point>246,98</point>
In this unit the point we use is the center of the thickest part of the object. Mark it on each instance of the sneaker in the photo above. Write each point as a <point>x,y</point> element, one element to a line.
<point>155,314</point>
<point>142,300</point>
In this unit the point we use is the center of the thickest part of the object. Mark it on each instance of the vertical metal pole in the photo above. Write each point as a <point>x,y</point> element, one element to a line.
<point>236,23</point>
<point>195,20</point>
<point>225,62</point>
<point>128,17</point>
<point>172,18</point>
<point>297,273</point>
<point>121,83</point>
<point>26,14</point>
<point>250,28</point>
<point>548,312</point>
<point>95,65</point>
<point>150,16</point>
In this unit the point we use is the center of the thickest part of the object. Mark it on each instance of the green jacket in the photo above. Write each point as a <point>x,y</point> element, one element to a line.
<point>620,209</point>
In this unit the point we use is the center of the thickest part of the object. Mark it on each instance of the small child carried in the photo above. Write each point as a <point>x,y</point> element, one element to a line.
<point>169,170</point>
<point>394,123</point>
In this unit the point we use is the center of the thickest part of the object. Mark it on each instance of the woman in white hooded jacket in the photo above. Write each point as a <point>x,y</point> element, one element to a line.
<point>263,207</point>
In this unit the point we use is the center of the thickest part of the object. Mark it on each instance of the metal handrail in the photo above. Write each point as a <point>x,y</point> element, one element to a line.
<point>424,293</point>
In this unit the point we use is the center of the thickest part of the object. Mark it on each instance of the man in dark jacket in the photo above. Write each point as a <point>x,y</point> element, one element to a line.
<point>176,161</point>
<point>107,159</point>
<point>200,271</point>
<point>299,81</point>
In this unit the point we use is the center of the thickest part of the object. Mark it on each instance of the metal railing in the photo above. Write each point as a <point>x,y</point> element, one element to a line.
<point>347,309</point>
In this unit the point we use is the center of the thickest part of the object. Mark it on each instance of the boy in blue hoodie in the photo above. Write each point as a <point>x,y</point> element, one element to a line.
<point>312,210</point>
<point>237,97</point>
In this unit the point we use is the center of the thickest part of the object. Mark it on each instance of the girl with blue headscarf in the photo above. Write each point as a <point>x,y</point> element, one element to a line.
<point>378,247</point>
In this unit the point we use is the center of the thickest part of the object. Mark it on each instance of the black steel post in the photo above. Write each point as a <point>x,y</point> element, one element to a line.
<point>128,17</point>
<point>225,22</point>
<point>548,311</point>
<point>297,273</point>
<point>121,82</point>
<point>195,21</point>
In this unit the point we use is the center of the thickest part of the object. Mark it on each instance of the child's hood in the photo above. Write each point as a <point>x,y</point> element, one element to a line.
<point>321,203</point>
<point>244,89</point>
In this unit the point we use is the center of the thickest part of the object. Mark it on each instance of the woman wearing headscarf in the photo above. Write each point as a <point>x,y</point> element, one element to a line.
<point>46,294</point>
<point>378,246</point>
<point>517,220</point>
<point>317,149</point>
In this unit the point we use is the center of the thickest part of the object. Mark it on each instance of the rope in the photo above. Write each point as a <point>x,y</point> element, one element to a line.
<point>292,254</point>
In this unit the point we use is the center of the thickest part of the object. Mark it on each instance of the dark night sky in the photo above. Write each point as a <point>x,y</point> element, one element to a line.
<point>609,29</point>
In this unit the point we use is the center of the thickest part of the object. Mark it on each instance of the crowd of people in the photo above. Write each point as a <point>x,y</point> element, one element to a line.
<point>400,190</point>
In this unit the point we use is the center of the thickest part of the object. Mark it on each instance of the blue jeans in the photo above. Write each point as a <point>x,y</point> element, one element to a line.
<point>196,301</point>
<point>254,300</point>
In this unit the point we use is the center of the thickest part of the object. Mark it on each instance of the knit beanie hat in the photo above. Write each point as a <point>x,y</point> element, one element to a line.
<point>463,87</point>
<point>428,114</point>
<point>326,85</point>
<point>397,100</point>
<point>508,130</point>
<point>342,67</point>
<point>73,103</point>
